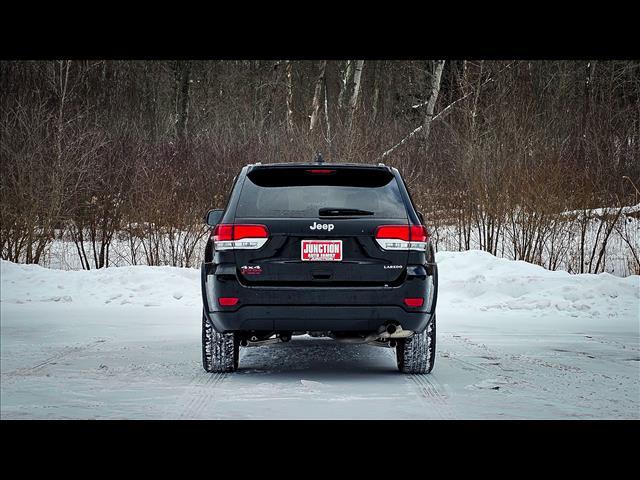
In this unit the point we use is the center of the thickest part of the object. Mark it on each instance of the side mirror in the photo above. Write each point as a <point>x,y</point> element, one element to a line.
<point>421,217</point>
<point>212,218</point>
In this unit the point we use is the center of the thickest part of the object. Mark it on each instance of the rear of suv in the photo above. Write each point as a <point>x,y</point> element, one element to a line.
<point>333,250</point>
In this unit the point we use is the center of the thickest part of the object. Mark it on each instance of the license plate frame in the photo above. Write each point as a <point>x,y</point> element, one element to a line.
<point>327,254</point>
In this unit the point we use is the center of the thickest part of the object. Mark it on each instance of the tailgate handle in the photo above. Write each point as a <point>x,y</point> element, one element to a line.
<point>321,274</point>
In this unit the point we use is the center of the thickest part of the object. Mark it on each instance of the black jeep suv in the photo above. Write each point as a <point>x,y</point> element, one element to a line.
<point>334,250</point>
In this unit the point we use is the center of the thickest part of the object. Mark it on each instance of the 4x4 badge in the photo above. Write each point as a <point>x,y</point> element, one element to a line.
<point>251,269</point>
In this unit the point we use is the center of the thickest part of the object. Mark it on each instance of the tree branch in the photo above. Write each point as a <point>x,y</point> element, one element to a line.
<point>440,114</point>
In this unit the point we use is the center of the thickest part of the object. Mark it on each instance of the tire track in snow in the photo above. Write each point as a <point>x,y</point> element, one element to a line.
<point>200,394</point>
<point>528,362</point>
<point>566,384</point>
<point>464,364</point>
<point>515,362</point>
<point>514,374</point>
<point>431,396</point>
<point>614,343</point>
<point>64,353</point>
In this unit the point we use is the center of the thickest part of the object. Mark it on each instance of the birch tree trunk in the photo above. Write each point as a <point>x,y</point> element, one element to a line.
<point>344,84</point>
<point>289,97</point>
<point>326,112</point>
<point>183,114</point>
<point>316,96</point>
<point>64,82</point>
<point>469,151</point>
<point>353,101</point>
<point>474,111</point>
<point>586,110</point>
<point>429,116</point>
<point>434,88</point>
<point>376,92</point>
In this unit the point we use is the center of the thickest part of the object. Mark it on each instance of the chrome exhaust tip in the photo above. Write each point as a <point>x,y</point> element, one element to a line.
<point>393,330</point>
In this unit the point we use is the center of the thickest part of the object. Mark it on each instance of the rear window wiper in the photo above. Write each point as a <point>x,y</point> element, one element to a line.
<point>334,212</point>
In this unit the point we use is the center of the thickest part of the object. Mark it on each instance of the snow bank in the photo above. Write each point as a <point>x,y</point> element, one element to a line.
<point>629,210</point>
<point>138,286</point>
<point>476,281</point>
<point>472,281</point>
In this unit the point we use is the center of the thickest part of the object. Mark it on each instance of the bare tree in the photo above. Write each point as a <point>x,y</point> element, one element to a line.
<point>353,100</point>
<point>315,106</point>
<point>345,83</point>
<point>376,92</point>
<point>436,77</point>
<point>289,100</point>
<point>182,99</point>
<point>326,112</point>
<point>434,90</point>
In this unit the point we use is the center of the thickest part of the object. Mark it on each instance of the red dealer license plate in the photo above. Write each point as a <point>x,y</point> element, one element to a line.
<point>321,250</point>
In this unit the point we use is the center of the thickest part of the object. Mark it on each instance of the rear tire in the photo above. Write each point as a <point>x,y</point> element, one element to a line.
<point>220,351</point>
<point>417,354</point>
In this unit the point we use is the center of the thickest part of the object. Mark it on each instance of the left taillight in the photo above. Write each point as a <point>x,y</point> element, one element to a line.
<point>239,236</point>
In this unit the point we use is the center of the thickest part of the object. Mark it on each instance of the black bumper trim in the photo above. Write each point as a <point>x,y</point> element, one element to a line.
<point>316,318</point>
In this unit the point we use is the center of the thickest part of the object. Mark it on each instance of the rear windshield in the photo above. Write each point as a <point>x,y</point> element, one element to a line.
<point>302,192</point>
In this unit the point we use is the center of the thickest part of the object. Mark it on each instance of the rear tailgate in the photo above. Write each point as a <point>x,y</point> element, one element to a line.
<point>281,262</point>
<point>307,248</point>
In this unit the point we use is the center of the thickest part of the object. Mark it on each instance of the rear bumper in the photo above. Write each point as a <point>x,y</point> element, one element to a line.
<point>316,318</point>
<point>317,309</point>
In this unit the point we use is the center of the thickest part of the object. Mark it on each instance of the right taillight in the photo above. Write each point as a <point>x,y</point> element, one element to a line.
<point>414,302</point>
<point>239,237</point>
<point>402,237</point>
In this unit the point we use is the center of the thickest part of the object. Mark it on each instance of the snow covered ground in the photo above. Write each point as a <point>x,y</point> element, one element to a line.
<point>514,341</point>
